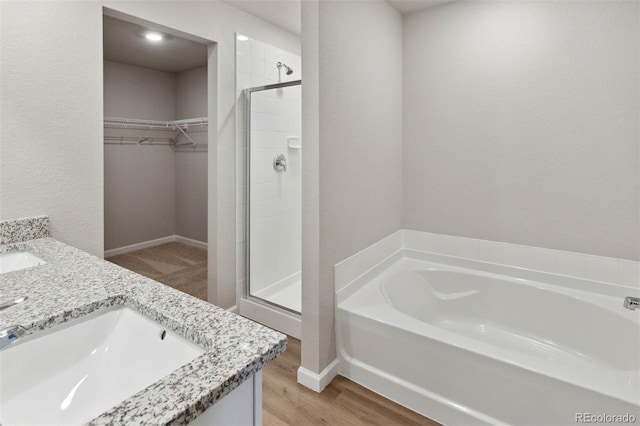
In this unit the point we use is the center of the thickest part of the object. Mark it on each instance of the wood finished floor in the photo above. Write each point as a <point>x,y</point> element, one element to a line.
<point>177,265</point>
<point>343,402</point>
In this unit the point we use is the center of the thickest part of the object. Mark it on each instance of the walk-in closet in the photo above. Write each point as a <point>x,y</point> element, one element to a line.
<point>155,146</point>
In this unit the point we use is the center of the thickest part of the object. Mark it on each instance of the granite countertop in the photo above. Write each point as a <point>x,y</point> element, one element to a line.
<point>74,283</point>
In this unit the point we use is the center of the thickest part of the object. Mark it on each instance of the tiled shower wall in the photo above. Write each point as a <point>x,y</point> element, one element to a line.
<point>275,196</point>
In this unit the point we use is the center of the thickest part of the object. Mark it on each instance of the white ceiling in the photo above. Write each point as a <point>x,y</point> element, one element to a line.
<point>408,6</point>
<point>281,13</point>
<point>123,42</point>
<point>286,13</point>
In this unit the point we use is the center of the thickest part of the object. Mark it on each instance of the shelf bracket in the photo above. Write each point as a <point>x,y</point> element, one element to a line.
<point>183,133</point>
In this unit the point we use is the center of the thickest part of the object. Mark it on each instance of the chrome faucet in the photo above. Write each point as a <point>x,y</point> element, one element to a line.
<point>631,302</point>
<point>10,335</point>
<point>280,163</point>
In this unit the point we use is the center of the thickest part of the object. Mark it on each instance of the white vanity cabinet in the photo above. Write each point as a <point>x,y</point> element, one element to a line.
<point>241,407</point>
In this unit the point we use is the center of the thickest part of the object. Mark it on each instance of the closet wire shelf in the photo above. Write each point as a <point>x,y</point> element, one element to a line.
<point>129,131</point>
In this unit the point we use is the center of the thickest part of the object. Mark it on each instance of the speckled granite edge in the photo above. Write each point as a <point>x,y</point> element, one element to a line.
<point>69,315</point>
<point>73,284</point>
<point>209,397</point>
<point>28,228</point>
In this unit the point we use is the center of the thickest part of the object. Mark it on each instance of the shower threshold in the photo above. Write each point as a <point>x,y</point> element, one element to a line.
<point>286,292</point>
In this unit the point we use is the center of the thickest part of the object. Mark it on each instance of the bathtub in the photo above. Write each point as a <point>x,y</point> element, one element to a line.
<point>464,342</point>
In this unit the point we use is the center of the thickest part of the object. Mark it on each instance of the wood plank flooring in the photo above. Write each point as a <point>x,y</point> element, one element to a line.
<point>175,264</point>
<point>342,402</point>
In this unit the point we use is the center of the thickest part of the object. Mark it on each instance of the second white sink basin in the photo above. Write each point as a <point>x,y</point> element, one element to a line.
<point>18,260</point>
<point>76,371</point>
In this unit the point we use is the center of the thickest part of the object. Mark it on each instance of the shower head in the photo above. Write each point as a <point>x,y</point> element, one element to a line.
<point>281,65</point>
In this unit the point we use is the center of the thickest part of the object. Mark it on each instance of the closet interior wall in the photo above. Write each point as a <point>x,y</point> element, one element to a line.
<point>191,165</point>
<point>152,192</point>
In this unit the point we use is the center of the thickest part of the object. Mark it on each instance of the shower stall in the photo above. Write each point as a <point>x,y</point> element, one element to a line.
<point>273,195</point>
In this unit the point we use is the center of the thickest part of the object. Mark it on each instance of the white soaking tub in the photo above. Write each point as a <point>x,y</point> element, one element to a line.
<point>490,345</point>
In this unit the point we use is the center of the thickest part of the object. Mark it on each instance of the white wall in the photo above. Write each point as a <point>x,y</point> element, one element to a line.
<point>51,152</point>
<point>139,180</point>
<point>52,51</point>
<point>522,121</point>
<point>191,166</point>
<point>358,155</point>
<point>276,215</point>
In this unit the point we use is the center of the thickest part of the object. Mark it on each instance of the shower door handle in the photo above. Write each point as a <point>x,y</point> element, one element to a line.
<point>280,163</point>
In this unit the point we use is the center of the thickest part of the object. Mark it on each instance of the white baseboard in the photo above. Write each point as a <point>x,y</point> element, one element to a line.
<point>139,246</point>
<point>233,309</point>
<point>317,382</point>
<point>190,242</point>
<point>156,242</point>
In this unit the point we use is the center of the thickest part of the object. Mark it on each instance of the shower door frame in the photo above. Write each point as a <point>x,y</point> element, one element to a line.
<point>247,134</point>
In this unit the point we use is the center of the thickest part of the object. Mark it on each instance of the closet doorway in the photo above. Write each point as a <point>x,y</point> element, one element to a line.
<point>155,154</point>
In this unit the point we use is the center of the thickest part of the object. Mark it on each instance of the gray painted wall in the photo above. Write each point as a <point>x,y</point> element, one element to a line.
<point>317,300</point>
<point>521,123</point>
<point>150,191</point>
<point>191,167</point>
<point>191,195</point>
<point>139,180</point>
<point>358,48</point>
<point>191,94</point>
<point>136,92</point>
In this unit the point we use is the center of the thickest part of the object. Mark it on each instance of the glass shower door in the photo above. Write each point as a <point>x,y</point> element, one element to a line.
<point>274,209</point>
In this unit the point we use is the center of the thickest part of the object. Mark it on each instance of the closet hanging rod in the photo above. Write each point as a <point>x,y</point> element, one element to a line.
<point>139,139</point>
<point>184,147</point>
<point>125,141</point>
<point>170,125</point>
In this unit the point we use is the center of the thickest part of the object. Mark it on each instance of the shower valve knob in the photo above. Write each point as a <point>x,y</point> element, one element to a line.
<point>280,163</point>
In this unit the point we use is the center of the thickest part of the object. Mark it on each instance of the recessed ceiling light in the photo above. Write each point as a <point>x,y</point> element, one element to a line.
<point>152,36</point>
<point>243,38</point>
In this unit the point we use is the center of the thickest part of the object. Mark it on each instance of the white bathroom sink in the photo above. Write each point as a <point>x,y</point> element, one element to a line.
<point>18,260</point>
<point>76,371</point>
